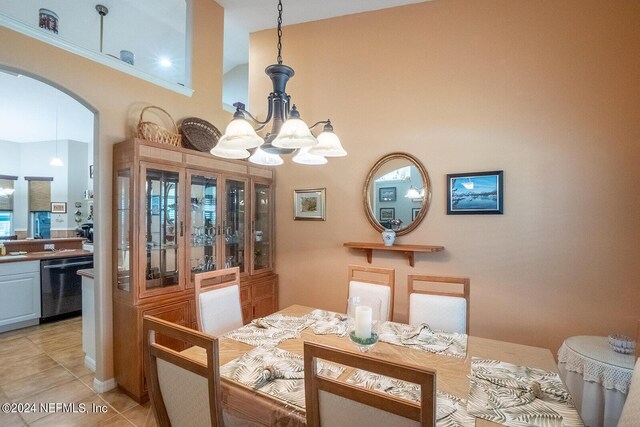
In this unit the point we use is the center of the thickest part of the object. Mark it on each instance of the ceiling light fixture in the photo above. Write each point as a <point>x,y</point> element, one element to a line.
<point>165,62</point>
<point>414,193</point>
<point>288,131</point>
<point>102,11</point>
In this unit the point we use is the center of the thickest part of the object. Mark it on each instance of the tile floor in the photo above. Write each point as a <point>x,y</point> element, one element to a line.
<point>45,364</point>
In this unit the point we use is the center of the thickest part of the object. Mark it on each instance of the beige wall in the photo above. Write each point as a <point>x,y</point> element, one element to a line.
<point>548,91</point>
<point>118,99</point>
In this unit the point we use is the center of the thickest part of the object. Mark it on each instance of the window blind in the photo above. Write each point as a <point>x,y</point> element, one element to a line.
<point>39,194</point>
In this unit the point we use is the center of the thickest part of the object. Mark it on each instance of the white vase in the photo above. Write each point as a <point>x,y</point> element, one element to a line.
<point>388,237</point>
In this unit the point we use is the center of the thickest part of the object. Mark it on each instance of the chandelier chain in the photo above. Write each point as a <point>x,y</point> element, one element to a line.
<point>279,31</point>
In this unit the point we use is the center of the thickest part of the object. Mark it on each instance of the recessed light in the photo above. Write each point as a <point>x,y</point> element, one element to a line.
<point>165,62</point>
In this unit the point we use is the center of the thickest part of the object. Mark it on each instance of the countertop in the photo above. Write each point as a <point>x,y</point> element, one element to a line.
<point>87,272</point>
<point>37,256</point>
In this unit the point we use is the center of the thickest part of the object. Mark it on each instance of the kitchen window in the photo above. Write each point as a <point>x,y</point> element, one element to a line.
<point>6,204</point>
<point>39,207</point>
<point>6,223</point>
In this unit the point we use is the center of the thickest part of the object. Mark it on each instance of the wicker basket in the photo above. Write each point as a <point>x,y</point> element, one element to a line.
<point>156,133</point>
<point>199,134</point>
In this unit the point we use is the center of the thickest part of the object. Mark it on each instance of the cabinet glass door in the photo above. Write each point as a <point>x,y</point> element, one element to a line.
<point>234,224</point>
<point>262,227</point>
<point>203,223</point>
<point>123,218</point>
<point>162,228</point>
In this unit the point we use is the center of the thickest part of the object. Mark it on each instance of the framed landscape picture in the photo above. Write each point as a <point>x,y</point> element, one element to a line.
<point>309,204</point>
<point>475,193</point>
<point>387,194</point>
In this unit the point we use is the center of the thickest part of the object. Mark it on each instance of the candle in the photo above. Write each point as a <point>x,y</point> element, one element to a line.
<point>363,322</point>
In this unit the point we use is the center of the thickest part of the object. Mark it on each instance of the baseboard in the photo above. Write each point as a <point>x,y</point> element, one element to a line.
<point>90,363</point>
<point>19,325</point>
<point>104,386</point>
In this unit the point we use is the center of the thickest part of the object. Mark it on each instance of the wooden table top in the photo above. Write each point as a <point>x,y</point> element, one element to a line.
<point>451,374</point>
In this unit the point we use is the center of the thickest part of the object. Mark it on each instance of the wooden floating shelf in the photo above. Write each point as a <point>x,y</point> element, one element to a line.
<point>408,250</point>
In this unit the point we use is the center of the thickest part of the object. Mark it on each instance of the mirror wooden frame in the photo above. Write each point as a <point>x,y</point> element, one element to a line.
<point>426,201</point>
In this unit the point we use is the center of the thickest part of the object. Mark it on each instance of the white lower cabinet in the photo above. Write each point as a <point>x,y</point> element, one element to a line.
<point>19,294</point>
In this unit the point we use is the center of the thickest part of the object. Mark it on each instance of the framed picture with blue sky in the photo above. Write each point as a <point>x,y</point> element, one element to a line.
<point>475,193</point>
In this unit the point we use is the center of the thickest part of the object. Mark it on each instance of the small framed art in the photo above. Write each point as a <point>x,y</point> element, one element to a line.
<point>309,205</point>
<point>414,213</point>
<point>59,207</point>
<point>475,193</point>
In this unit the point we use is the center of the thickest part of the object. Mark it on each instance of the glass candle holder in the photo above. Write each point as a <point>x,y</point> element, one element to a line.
<point>363,313</point>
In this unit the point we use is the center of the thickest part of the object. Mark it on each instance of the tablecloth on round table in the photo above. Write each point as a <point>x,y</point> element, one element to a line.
<point>597,378</point>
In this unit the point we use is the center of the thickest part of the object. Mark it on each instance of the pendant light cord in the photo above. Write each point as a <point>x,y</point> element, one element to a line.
<point>279,31</point>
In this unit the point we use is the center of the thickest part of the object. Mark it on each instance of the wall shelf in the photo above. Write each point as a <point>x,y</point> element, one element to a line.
<point>408,250</point>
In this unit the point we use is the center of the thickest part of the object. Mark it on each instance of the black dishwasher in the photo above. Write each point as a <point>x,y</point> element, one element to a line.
<point>61,287</point>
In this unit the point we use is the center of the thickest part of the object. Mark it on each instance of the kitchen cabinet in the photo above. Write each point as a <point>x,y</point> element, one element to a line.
<point>19,294</point>
<point>179,212</point>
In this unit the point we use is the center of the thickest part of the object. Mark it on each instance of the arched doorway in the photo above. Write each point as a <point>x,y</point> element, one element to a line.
<point>43,120</point>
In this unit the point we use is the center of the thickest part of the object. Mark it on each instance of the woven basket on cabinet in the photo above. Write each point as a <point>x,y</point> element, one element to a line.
<point>199,134</point>
<point>156,133</point>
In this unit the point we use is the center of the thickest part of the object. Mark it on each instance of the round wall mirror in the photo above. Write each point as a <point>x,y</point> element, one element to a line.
<point>397,193</point>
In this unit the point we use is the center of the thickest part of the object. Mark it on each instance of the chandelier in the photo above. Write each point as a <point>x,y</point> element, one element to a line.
<point>288,132</point>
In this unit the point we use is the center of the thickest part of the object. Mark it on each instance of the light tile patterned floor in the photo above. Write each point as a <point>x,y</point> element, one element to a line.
<point>45,364</point>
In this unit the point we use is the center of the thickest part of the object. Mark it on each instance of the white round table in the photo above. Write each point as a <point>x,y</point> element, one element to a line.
<point>597,377</point>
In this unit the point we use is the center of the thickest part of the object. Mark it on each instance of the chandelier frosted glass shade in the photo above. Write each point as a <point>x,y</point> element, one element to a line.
<point>229,150</point>
<point>241,135</point>
<point>261,157</point>
<point>328,145</point>
<point>294,134</point>
<point>303,157</point>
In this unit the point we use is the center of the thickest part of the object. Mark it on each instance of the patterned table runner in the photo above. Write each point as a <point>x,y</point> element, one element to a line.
<point>276,372</point>
<point>451,411</point>
<point>269,331</point>
<point>323,322</point>
<point>519,396</point>
<point>422,337</point>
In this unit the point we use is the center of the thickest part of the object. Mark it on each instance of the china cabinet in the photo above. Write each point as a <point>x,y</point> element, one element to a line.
<point>178,212</point>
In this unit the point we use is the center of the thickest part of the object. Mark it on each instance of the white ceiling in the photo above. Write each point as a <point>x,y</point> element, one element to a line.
<point>246,16</point>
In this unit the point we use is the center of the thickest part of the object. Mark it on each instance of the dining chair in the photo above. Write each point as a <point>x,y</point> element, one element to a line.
<point>183,392</point>
<point>218,306</point>
<point>332,402</point>
<point>376,282</point>
<point>444,308</point>
<point>630,416</point>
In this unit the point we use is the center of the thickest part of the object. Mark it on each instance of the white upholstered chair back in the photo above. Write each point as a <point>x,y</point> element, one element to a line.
<point>374,282</point>
<point>183,392</point>
<point>218,306</point>
<point>332,402</point>
<point>630,416</point>
<point>445,308</point>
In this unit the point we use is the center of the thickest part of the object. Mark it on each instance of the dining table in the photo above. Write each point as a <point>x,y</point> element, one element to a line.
<point>254,407</point>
